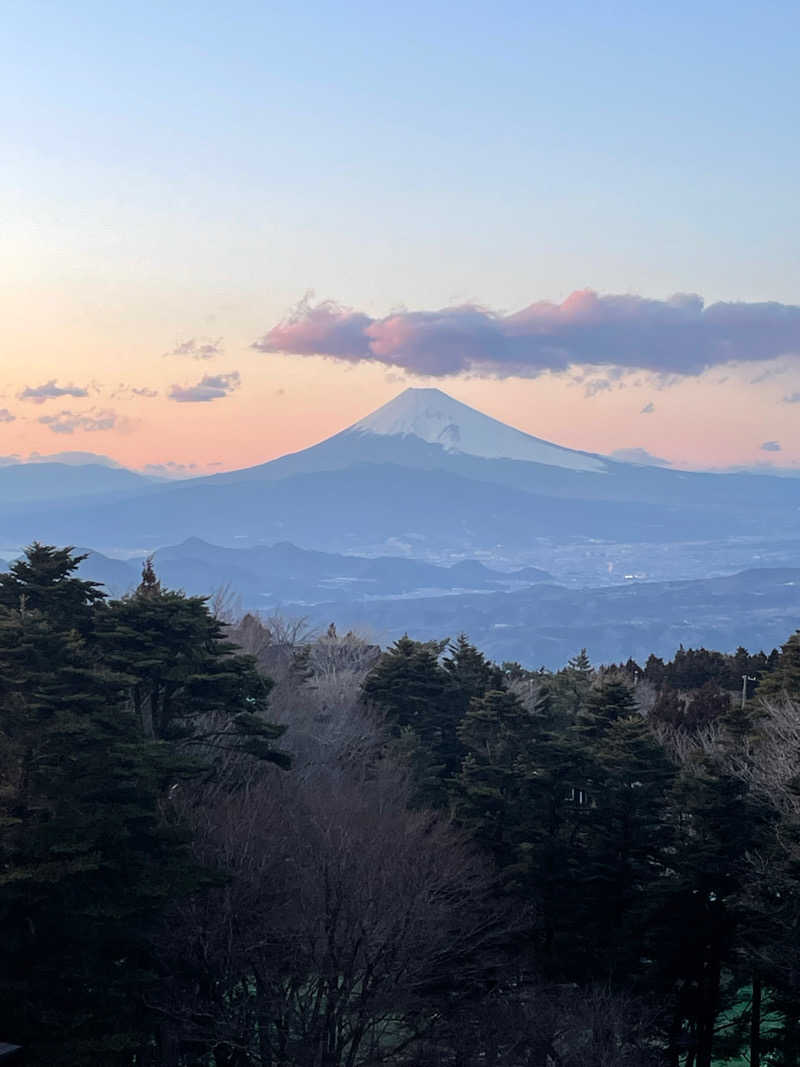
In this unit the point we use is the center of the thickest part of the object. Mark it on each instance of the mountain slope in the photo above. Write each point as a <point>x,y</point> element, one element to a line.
<point>436,418</point>
<point>38,481</point>
<point>366,509</point>
<point>425,429</point>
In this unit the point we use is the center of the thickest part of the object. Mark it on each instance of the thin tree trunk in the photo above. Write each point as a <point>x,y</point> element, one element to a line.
<point>673,1052</point>
<point>755,1023</point>
<point>708,1014</point>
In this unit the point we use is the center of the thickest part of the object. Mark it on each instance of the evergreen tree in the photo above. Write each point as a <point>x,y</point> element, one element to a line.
<point>695,938</point>
<point>496,733</point>
<point>622,834</point>
<point>44,580</point>
<point>473,674</point>
<point>607,703</point>
<point>571,685</point>
<point>185,683</point>
<point>782,679</point>
<point>86,860</point>
<point>422,705</point>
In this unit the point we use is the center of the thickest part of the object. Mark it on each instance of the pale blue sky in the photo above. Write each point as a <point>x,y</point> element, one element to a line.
<point>413,153</point>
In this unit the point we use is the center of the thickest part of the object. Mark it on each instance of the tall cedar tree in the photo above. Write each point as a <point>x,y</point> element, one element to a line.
<point>86,861</point>
<point>576,819</point>
<point>184,682</point>
<point>782,681</point>
<point>422,705</point>
<point>622,812</point>
<point>700,926</point>
<point>44,580</point>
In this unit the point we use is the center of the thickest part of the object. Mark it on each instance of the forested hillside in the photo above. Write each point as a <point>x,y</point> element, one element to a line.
<point>231,841</point>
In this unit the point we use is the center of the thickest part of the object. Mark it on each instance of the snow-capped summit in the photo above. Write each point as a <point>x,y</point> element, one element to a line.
<point>438,419</point>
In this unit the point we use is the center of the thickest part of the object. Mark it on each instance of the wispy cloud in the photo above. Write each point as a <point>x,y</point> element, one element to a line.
<point>678,336</point>
<point>639,455</point>
<point>6,416</point>
<point>170,469</point>
<point>67,422</point>
<point>648,409</point>
<point>596,385</point>
<point>140,392</point>
<point>198,348</point>
<point>51,391</point>
<point>210,387</point>
<point>771,446</point>
<point>792,398</point>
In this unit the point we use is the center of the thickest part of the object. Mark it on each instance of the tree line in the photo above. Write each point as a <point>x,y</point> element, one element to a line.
<point>229,841</point>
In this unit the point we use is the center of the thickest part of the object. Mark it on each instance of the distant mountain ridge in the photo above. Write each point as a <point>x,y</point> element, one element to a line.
<point>48,481</point>
<point>267,577</point>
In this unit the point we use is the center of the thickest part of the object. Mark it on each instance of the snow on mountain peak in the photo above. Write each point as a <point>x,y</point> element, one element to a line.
<point>438,419</point>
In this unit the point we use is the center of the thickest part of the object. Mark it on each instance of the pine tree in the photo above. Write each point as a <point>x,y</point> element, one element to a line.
<point>420,701</point>
<point>782,680</point>
<point>694,938</point>
<point>86,861</point>
<point>472,672</point>
<point>496,733</point>
<point>624,837</point>
<point>44,580</point>
<point>185,683</point>
<point>571,685</point>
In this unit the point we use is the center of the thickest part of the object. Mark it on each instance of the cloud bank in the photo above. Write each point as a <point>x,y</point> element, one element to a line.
<point>676,336</point>
<point>210,387</point>
<point>6,416</point>
<point>50,391</point>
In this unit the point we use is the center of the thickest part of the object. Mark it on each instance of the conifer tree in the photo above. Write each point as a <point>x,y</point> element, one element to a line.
<point>496,734</point>
<point>44,580</point>
<point>782,680</point>
<point>86,861</point>
<point>423,711</point>
<point>472,672</point>
<point>185,683</point>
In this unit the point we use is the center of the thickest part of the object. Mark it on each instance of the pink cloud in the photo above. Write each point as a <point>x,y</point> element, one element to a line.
<point>678,336</point>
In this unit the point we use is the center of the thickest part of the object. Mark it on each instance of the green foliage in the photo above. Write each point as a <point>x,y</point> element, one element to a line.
<point>782,680</point>
<point>91,850</point>
<point>87,861</point>
<point>422,706</point>
<point>184,682</point>
<point>44,580</point>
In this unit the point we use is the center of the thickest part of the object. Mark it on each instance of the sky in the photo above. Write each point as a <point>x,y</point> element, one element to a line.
<point>229,231</point>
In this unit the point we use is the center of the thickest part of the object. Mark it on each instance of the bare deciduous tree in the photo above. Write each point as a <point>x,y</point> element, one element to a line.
<point>344,917</point>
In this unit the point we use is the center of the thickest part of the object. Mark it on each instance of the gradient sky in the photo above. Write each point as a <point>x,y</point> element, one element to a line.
<point>175,178</point>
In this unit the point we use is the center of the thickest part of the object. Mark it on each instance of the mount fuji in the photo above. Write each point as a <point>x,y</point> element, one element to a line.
<point>436,418</point>
<point>428,477</point>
